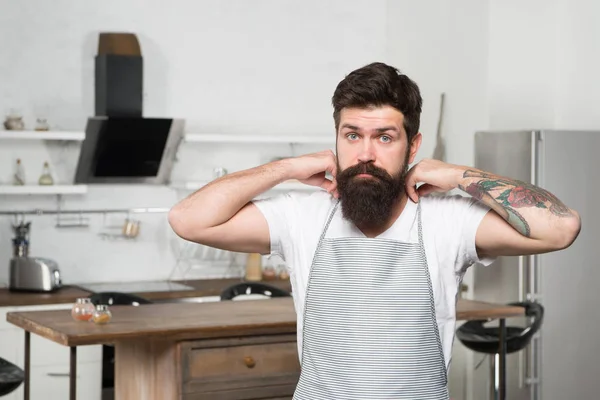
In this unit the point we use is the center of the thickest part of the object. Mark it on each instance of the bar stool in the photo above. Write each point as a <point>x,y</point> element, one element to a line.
<point>481,339</point>
<point>250,288</point>
<point>11,377</point>
<point>117,299</point>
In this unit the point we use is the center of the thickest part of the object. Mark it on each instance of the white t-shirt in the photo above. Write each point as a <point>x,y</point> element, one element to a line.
<point>449,224</point>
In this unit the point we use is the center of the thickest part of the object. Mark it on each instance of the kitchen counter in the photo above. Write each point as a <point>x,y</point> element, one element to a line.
<point>69,293</point>
<point>220,350</point>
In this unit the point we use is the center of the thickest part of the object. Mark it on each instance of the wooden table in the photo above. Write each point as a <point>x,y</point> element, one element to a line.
<point>148,338</point>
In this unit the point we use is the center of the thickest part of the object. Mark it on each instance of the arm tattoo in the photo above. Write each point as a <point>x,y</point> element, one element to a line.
<point>505,195</point>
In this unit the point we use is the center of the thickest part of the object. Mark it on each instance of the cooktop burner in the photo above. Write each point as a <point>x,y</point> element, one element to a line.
<point>135,287</point>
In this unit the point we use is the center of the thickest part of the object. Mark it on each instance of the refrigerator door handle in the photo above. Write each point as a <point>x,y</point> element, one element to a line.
<point>522,278</point>
<point>524,356</point>
<point>522,378</point>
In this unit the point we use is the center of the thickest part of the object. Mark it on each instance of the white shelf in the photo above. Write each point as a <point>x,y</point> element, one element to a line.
<point>266,139</point>
<point>286,186</point>
<point>42,135</point>
<point>41,190</point>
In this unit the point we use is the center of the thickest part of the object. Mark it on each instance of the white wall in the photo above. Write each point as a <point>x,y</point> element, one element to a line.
<point>244,67</point>
<point>521,73</point>
<point>543,62</point>
<point>577,65</point>
<point>270,67</point>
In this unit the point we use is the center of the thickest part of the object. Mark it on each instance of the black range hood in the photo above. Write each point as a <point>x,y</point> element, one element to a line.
<point>121,145</point>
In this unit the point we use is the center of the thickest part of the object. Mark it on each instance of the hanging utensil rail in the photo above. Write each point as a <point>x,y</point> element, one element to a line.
<point>92,211</point>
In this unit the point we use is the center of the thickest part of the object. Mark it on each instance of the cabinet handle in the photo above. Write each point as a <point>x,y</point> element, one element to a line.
<point>61,375</point>
<point>249,361</point>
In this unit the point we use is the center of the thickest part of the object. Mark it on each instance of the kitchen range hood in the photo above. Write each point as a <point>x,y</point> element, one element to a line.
<point>121,145</point>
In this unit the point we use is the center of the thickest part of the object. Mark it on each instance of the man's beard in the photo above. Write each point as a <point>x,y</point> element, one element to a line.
<point>368,202</point>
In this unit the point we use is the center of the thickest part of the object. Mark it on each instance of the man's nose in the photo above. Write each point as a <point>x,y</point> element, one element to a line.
<point>366,153</point>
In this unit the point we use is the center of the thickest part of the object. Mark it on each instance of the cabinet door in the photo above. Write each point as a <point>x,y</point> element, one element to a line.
<point>4,324</point>
<point>52,383</point>
<point>50,361</point>
<point>9,346</point>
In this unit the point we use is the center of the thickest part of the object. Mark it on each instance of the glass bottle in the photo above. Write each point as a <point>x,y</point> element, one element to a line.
<point>283,272</point>
<point>46,177</point>
<point>101,314</point>
<point>83,309</point>
<point>19,174</point>
<point>254,267</point>
<point>42,125</point>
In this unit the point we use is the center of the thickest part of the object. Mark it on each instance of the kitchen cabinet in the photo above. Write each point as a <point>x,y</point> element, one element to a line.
<point>50,361</point>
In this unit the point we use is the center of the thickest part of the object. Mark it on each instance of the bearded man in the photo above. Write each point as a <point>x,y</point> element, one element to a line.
<point>375,261</point>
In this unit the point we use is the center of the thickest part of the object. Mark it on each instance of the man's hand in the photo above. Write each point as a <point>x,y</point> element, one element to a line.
<point>435,176</point>
<point>311,169</point>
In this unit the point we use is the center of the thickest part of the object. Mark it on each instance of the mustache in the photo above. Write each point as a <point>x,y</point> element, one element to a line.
<point>365,168</point>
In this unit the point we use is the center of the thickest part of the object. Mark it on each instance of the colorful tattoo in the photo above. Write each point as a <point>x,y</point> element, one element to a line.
<point>505,195</point>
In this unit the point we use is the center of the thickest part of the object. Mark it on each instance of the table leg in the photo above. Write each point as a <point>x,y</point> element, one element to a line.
<point>147,369</point>
<point>502,360</point>
<point>73,374</point>
<point>27,364</point>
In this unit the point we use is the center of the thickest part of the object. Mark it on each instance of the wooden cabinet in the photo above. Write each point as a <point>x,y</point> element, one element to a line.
<point>263,367</point>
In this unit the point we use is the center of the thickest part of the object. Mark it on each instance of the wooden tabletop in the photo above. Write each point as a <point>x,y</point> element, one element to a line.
<point>472,310</point>
<point>184,321</point>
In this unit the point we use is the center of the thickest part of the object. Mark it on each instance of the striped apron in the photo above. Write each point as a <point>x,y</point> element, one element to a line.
<point>370,330</point>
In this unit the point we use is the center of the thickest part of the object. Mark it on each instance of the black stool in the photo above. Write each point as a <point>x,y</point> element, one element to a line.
<point>245,288</point>
<point>108,352</point>
<point>478,338</point>
<point>117,299</point>
<point>11,377</point>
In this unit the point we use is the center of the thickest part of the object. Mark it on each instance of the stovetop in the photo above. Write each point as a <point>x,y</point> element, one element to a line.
<point>136,287</point>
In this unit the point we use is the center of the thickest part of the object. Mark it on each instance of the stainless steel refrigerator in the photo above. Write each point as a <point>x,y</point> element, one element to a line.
<point>563,360</point>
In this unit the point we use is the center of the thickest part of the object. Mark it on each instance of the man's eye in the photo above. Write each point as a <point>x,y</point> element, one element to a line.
<point>352,136</point>
<point>386,139</point>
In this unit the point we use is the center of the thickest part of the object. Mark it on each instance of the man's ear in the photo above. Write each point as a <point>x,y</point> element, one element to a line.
<point>415,144</point>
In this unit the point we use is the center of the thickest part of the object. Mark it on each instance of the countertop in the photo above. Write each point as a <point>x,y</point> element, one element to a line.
<point>69,293</point>
<point>186,321</point>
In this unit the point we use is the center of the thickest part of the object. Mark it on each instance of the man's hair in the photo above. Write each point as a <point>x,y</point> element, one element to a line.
<point>377,85</point>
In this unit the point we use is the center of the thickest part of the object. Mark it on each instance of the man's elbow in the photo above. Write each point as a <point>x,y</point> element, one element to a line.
<point>180,224</point>
<point>568,231</point>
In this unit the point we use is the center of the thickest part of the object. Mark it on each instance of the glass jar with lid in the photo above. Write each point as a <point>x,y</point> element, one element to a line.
<point>101,314</point>
<point>83,309</point>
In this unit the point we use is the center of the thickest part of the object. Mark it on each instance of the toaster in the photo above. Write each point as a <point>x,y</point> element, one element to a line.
<point>34,274</point>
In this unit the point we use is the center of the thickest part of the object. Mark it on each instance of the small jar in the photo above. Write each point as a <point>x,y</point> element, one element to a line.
<point>101,315</point>
<point>83,309</point>
<point>269,273</point>
<point>283,272</point>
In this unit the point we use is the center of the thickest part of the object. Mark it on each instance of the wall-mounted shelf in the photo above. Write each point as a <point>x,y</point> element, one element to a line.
<point>266,139</point>
<point>286,186</point>
<point>43,190</point>
<point>42,135</point>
